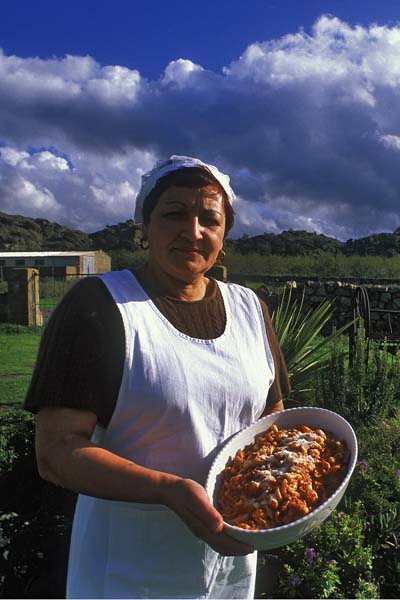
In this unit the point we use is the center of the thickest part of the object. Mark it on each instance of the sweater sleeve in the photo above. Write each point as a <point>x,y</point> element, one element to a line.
<point>280,388</point>
<point>81,355</point>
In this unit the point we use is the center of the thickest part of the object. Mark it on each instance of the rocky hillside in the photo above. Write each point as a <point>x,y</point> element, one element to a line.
<point>379,244</point>
<point>18,233</point>
<point>124,236</point>
<point>303,243</point>
<point>288,243</point>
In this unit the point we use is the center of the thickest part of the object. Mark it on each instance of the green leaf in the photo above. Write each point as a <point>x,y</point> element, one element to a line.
<point>299,337</point>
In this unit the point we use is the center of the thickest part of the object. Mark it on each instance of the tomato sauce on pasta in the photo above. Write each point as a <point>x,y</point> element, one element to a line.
<point>282,476</point>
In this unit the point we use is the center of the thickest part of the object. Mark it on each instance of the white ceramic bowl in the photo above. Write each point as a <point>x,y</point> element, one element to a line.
<point>267,539</point>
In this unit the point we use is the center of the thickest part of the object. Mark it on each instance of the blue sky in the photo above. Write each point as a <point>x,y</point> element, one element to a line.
<point>297,100</point>
<point>148,35</point>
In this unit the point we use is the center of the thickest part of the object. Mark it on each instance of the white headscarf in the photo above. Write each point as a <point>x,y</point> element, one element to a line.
<point>174,163</point>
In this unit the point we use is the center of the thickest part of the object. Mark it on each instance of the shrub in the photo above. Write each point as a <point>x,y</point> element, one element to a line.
<point>16,439</point>
<point>376,481</point>
<point>364,391</point>
<point>15,328</point>
<point>33,555</point>
<point>127,259</point>
<point>384,535</point>
<point>35,516</point>
<point>333,561</point>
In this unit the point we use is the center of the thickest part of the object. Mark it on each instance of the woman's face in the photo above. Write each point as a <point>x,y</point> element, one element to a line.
<point>186,231</point>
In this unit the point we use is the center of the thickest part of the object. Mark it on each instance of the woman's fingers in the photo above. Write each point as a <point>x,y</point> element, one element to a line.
<point>200,506</point>
<point>218,540</point>
<point>190,501</point>
<point>226,545</point>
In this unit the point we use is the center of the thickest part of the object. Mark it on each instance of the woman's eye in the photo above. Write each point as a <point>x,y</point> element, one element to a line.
<point>173,213</point>
<point>211,221</point>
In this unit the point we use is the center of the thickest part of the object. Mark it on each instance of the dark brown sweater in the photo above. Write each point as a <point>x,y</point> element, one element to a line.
<point>82,351</point>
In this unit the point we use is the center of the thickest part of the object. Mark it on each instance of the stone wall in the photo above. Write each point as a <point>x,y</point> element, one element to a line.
<point>382,299</point>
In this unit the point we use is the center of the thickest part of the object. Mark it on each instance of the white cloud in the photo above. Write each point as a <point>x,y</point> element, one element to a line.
<point>252,217</point>
<point>390,141</point>
<point>43,159</point>
<point>307,125</point>
<point>113,198</point>
<point>21,196</point>
<point>12,156</point>
<point>47,160</point>
<point>180,72</point>
<point>116,85</point>
<point>99,190</point>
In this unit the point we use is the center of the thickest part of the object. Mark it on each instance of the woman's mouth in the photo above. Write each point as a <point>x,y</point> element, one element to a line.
<point>189,251</point>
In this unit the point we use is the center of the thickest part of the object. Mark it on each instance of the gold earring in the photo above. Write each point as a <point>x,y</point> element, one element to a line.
<point>220,257</point>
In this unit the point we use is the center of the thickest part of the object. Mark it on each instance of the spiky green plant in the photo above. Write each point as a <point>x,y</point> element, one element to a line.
<point>305,350</point>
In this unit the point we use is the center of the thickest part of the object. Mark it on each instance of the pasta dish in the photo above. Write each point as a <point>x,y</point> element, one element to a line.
<point>281,477</point>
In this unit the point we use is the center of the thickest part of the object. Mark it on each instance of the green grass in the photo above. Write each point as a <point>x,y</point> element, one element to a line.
<point>17,358</point>
<point>323,265</point>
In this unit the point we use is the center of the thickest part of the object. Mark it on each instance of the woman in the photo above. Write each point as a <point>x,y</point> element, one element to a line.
<point>154,371</point>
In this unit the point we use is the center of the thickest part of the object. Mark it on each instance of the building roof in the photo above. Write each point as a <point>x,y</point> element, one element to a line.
<point>43,254</point>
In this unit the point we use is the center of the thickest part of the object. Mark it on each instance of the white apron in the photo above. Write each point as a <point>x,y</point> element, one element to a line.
<point>180,399</point>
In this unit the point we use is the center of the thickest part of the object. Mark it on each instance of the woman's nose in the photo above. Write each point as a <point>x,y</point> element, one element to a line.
<point>193,228</point>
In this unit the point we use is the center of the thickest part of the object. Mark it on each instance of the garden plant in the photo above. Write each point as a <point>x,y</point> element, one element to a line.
<point>355,553</point>
<point>306,351</point>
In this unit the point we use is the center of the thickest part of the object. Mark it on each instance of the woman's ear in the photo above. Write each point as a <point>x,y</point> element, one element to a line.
<point>144,243</point>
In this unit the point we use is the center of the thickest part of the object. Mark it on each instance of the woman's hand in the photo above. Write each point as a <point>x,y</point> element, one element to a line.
<point>67,457</point>
<point>190,501</point>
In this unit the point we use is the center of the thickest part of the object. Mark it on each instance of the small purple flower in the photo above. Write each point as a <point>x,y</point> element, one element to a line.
<point>362,466</point>
<point>295,580</point>
<point>398,473</point>
<point>310,555</point>
<point>332,562</point>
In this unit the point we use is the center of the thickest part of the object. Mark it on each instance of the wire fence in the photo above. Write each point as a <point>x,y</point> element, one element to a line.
<point>53,289</point>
